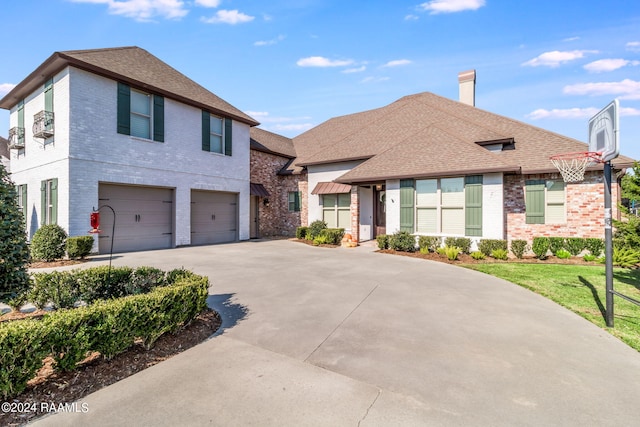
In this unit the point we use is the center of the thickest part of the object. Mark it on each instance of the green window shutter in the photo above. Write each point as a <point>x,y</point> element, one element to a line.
<point>406,205</point>
<point>48,95</point>
<point>158,118</point>
<point>228,137</point>
<point>473,205</point>
<point>534,201</point>
<point>54,201</point>
<point>124,109</point>
<point>206,131</point>
<point>43,202</point>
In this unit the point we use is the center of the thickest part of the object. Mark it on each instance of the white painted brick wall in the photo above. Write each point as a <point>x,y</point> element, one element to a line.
<point>88,150</point>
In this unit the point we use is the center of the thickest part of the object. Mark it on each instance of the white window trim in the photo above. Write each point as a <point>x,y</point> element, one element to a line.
<point>150,116</point>
<point>439,207</point>
<point>213,117</point>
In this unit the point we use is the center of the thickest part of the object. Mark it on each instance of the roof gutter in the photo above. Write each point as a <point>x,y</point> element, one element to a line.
<point>369,179</point>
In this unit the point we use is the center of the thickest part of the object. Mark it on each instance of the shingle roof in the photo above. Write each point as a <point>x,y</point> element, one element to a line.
<point>4,147</point>
<point>428,135</point>
<point>270,142</point>
<point>131,65</point>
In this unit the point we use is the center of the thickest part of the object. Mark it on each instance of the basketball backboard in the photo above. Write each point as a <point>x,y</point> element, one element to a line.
<point>603,132</point>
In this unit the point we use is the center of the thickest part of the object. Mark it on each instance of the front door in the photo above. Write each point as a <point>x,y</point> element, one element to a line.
<point>379,210</point>
<point>253,226</point>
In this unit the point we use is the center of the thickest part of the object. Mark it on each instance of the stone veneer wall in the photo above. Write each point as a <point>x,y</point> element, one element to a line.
<point>584,206</point>
<point>275,219</point>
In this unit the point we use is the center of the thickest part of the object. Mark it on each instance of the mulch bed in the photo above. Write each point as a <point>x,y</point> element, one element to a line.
<point>94,373</point>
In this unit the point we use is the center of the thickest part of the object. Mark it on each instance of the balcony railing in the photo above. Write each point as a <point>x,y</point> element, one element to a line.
<point>16,138</point>
<point>43,124</point>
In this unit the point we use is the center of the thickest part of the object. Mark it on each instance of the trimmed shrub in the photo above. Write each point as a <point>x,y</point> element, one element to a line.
<point>79,246</point>
<point>143,279</point>
<point>519,247</point>
<point>540,247</point>
<point>563,254</point>
<point>314,229</point>
<point>463,243</point>
<point>301,233</point>
<point>501,254</point>
<point>555,244</point>
<point>47,243</point>
<point>332,236</point>
<point>477,255</point>
<point>594,245</point>
<point>402,241</point>
<point>574,245</point>
<point>99,283</point>
<point>14,251</point>
<point>487,246</point>
<point>429,243</point>
<point>383,241</point>
<point>108,327</point>
<point>57,287</point>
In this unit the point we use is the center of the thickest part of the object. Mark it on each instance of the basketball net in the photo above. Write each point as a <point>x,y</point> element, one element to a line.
<point>573,165</point>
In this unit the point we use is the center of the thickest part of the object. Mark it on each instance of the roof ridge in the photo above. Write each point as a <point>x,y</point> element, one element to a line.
<point>103,49</point>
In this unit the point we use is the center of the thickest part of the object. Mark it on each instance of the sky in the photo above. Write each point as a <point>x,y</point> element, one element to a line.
<point>293,64</point>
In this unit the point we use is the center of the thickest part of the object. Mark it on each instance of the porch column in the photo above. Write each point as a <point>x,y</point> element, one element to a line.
<point>355,214</point>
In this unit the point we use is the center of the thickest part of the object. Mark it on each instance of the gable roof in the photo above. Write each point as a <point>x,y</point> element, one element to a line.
<point>134,66</point>
<point>427,135</point>
<point>4,147</point>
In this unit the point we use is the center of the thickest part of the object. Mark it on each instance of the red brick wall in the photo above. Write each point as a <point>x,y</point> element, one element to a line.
<point>275,219</point>
<point>355,214</point>
<point>584,207</point>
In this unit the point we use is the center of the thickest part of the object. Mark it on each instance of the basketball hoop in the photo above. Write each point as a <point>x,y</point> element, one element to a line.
<point>573,165</point>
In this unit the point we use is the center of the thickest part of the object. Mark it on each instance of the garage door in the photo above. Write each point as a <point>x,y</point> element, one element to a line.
<point>144,218</point>
<point>214,217</point>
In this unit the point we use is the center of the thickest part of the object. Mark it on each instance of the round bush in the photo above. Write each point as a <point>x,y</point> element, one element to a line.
<point>315,228</point>
<point>48,243</point>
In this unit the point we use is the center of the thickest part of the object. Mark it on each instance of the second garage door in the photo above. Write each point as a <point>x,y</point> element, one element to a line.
<point>214,217</point>
<point>143,218</point>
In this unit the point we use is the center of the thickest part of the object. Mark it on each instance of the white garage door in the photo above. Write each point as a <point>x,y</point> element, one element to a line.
<point>144,218</point>
<point>214,217</point>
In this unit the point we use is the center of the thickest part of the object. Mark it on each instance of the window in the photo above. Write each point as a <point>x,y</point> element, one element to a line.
<point>336,210</point>
<point>450,206</point>
<point>140,114</point>
<point>216,134</point>
<point>22,199</point>
<point>545,202</point>
<point>49,201</point>
<point>294,201</point>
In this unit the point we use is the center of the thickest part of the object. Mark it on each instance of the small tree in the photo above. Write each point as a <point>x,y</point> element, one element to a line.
<point>14,252</point>
<point>627,231</point>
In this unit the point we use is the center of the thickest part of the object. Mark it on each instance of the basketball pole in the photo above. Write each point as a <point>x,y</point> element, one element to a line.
<point>608,245</point>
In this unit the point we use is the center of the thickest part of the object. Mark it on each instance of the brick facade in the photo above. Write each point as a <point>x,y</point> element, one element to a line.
<point>274,218</point>
<point>355,214</point>
<point>584,208</point>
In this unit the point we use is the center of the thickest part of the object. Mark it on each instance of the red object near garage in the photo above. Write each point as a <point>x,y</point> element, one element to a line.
<point>95,222</point>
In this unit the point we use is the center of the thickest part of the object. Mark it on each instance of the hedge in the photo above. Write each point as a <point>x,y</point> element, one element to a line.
<point>109,327</point>
<point>487,246</point>
<point>79,246</point>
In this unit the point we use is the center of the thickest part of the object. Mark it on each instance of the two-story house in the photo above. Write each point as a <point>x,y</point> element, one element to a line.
<point>120,129</point>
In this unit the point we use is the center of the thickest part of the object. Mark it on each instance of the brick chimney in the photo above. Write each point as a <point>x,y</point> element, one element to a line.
<point>467,80</point>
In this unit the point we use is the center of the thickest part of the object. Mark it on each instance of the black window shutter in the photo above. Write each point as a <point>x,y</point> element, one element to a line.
<point>158,118</point>
<point>228,137</point>
<point>124,109</point>
<point>206,131</point>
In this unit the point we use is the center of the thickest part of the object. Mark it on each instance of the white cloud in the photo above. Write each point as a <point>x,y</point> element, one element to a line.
<point>208,3</point>
<point>374,79</point>
<point>320,61</point>
<point>571,39</point>
<point>576,113</point>
<point>228,17</point>
<point>355,70</point>
<point>411,18</point>
<point>556,58</point>
<point>604,65</point>
<point>5,88</point>
<point>633,46</point>
<point>450,6</point>
<point>625,89</point>
<point>143,10</point>
<point>269,42</point>
<point>397,63</point>
<point>568,113</point>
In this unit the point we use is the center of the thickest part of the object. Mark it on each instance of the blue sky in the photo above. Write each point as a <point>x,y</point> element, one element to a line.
<point>293,64</point>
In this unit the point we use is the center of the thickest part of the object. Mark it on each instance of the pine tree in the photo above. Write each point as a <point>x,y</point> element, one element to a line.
<point>14,252</point>
<point>627,231</point>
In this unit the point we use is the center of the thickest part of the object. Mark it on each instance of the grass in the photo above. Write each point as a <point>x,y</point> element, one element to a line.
<point>581,289</point>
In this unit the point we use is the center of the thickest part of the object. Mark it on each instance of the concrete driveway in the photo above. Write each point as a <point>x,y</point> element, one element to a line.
<point>348,337</point>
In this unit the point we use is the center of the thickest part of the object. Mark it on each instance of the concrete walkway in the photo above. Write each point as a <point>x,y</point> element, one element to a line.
<point>347,337</point>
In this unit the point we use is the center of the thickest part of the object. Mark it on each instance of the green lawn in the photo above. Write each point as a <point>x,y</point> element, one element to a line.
<point>581,289</point>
